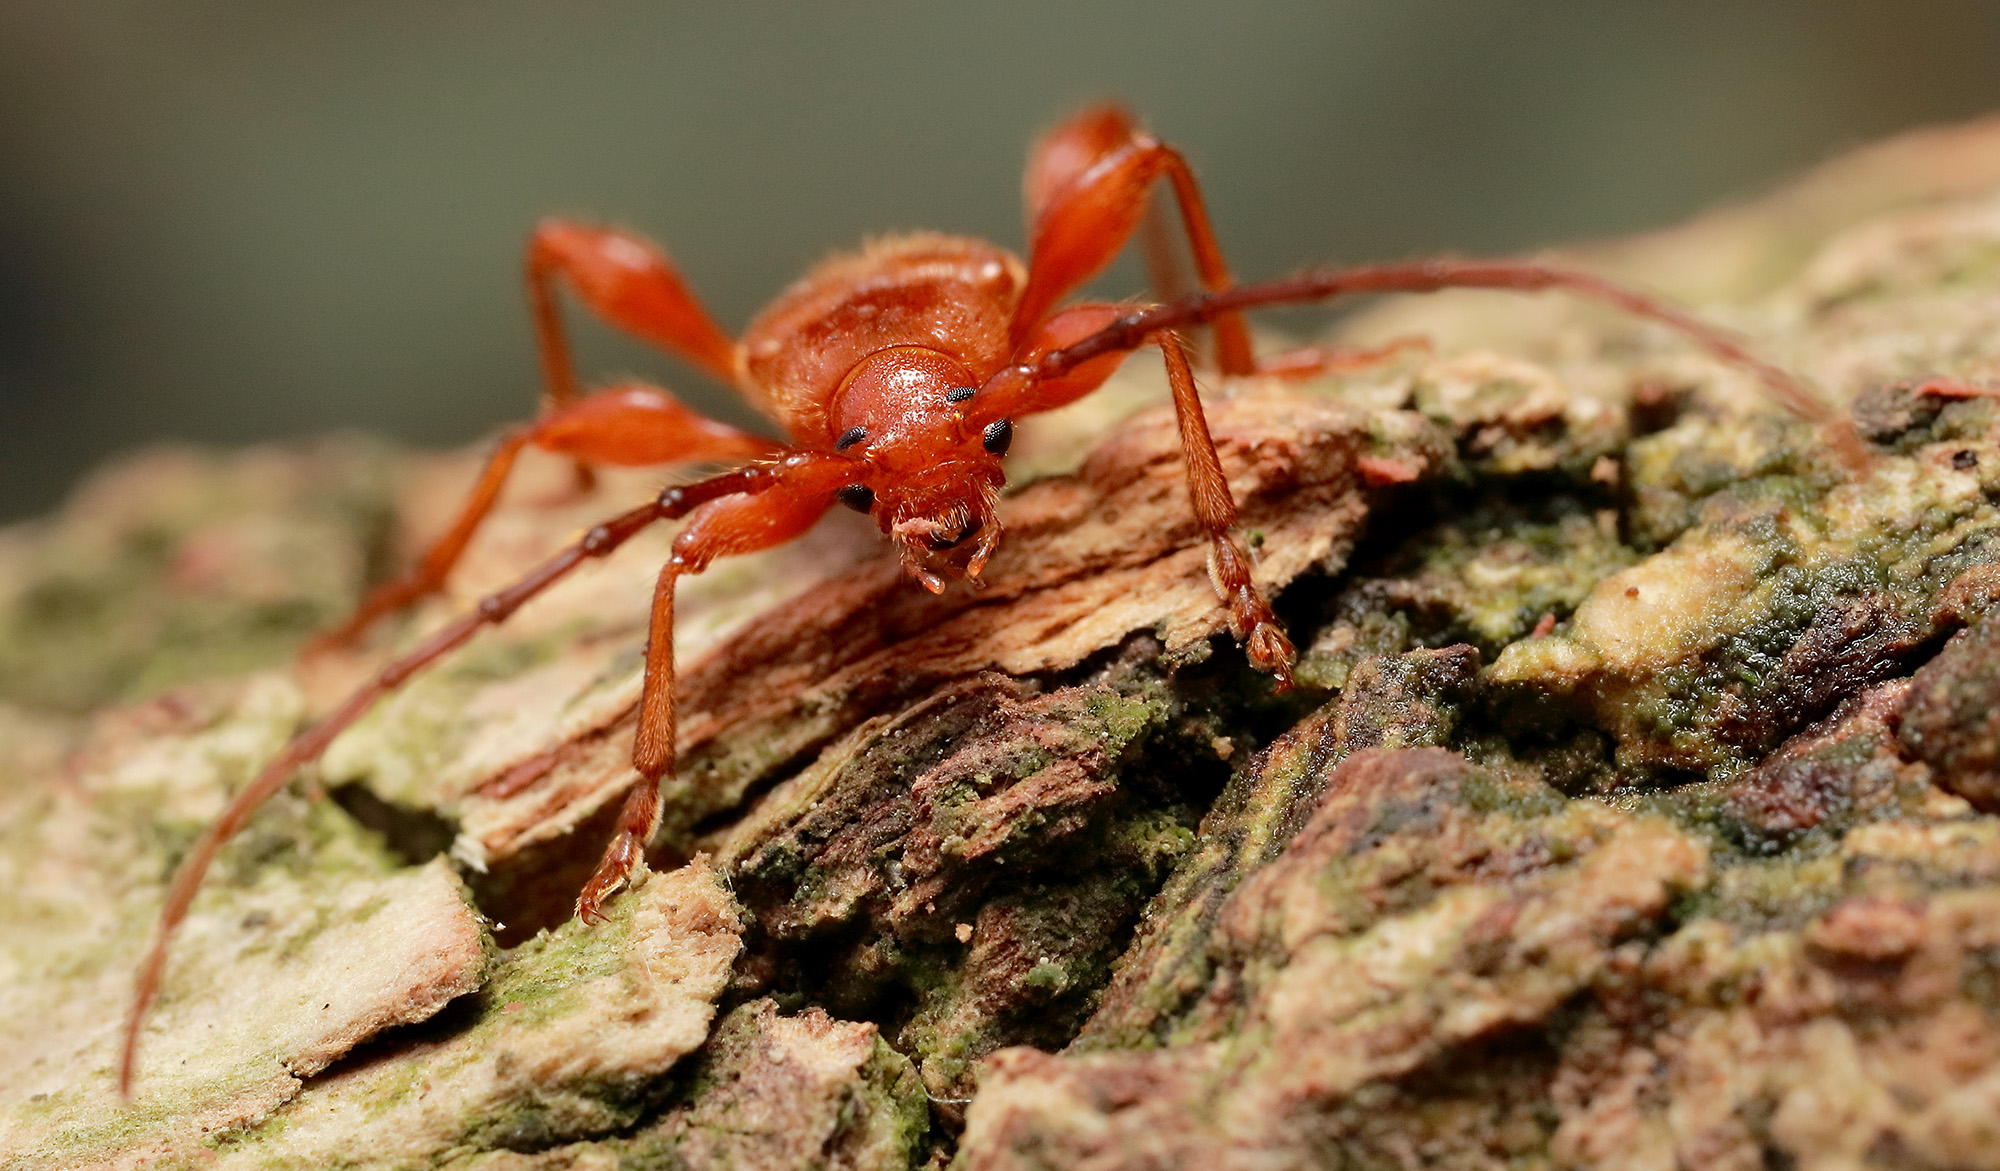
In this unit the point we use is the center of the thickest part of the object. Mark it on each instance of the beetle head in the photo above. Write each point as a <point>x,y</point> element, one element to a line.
<point>944,524</point>
<point>930,480</point>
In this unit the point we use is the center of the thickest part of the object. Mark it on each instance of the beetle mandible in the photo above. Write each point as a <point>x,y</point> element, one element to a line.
<point>896,374</point>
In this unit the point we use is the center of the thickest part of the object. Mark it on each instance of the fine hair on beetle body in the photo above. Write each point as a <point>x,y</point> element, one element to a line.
<point>896,375</point>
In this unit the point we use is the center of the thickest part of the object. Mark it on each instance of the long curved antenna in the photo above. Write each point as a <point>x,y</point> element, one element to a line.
<point>307,746</point>
<point>1429,276</point>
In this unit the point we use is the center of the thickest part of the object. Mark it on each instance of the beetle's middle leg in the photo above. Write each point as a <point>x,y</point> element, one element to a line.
<point>627,426</point>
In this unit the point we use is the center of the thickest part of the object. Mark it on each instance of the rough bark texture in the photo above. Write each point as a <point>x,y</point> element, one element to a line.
<point>1636,808</point>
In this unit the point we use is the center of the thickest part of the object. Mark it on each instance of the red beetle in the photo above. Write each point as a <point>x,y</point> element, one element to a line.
<point>896,374</point>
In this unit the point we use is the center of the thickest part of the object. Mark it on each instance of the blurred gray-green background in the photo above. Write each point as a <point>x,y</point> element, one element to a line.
<point>231,221</point>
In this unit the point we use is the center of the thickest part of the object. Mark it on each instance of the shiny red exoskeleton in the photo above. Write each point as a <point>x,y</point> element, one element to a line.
<point>895,375</point>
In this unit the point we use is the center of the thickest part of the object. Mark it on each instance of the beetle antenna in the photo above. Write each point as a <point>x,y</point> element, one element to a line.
<point>1429,276</point>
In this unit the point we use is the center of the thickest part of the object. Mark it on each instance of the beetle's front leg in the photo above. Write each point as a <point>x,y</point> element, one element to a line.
<point>799,492</point>
<point>1030,385</point>
<point>1249,613</point>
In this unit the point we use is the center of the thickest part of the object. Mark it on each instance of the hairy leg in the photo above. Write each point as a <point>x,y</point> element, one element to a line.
<point>626,426</point>
<point>1022,390</point>
<point>628,282</point>
<point>1249,613</point>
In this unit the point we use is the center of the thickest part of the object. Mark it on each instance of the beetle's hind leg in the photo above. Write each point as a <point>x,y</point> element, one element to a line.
<point>1088,186</point>
<point>625,280</point>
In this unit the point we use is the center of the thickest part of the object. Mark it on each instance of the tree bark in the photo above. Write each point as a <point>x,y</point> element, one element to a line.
<point>1634,808</point>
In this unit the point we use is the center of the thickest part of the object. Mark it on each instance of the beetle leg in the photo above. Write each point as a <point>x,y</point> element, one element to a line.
<point>797,496</point>
<point>1037,383</point>
<point>628,282</point>
<point>626,426</point>
<point>1166,272</point>
<point>1250,617</point>
<point>1087,188</point>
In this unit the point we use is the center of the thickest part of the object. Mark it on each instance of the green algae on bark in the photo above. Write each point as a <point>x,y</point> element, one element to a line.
<point>1782,599</point>
<point>567,1039</point>
<point>1948,719</point>
<point>309,941</point>
<point>178,566</point>
<point>767,1090</point>
<point>978,860</point>
<point>1408,701</point>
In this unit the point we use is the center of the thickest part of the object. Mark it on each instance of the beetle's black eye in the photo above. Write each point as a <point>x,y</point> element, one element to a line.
<point>850,437</point>
<point>998,434</point>
<point>859,497</point>
<point>959,394</point>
